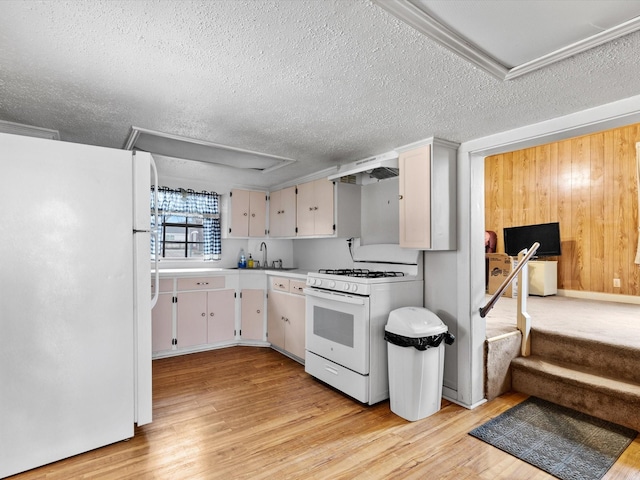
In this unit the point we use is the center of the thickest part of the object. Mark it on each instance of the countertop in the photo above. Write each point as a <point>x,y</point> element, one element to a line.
<point>196,272</point>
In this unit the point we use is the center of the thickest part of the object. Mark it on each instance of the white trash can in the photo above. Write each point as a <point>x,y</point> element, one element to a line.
<point>416,361</point>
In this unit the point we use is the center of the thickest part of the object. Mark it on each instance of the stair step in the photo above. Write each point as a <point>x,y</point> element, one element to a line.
<point>581,388</point>
<point>606,358</point>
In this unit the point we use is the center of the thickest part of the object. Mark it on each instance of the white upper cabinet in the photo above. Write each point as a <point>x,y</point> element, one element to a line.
<point>248,213</point>
<point>282,213</point>
<point>315,208</point>
<point>326,208</point>
<point>427,196</point>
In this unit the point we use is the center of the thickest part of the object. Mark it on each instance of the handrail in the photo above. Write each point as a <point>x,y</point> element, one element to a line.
<point>530,253</point>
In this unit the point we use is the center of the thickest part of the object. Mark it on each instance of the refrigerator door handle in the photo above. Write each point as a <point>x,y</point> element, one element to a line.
<point>156,255</point>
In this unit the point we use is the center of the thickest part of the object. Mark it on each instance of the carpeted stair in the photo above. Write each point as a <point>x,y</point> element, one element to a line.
<point>499,351</point>
<point>590,376</point>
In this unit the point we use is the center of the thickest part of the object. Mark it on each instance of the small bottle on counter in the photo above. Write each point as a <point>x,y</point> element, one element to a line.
<point>242,260</point>
<point>250,262</point>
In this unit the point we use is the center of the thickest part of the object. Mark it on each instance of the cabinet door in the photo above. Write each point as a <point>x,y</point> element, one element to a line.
<point>192,319</point>
<point>295,326</point>
<point>275,229</point>
<point>239,213</point>
<point>415,198</point>
<point>305,213</point>
<point>257,214</point>
<point>252,314</point>
<point>288,206</point>
<point>221,318</point>
<point>282,213</point>
<point>315,208</point>
<point>323,221</point>
<point>162,323</point>
<point>275,319</point>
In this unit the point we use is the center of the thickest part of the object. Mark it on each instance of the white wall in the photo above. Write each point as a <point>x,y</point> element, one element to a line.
<point>380,212</point>
<point>316,253</point>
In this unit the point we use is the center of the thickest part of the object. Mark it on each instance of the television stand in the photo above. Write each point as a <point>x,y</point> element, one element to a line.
<point>543,277</point>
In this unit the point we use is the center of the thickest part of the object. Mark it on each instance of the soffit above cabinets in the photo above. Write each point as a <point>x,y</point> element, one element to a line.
<point>186,148</point>
<point>509,38</point>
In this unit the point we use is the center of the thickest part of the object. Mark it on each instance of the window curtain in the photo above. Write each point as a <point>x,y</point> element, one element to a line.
<point>189,202</point>
<point>638,187</point>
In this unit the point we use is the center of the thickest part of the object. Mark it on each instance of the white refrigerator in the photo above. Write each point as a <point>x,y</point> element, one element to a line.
<point>75,313</point>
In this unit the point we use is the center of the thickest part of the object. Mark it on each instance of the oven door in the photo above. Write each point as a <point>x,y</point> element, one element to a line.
<point>337,328</point>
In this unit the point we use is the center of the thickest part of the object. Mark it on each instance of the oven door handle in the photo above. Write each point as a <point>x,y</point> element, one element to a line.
<point>334,296</point>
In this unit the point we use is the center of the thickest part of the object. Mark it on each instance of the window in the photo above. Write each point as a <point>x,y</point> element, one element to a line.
<point>182,236</point>
<point>188,224</point>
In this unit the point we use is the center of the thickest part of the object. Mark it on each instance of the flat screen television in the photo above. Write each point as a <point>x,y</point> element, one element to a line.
<point>547,234</point>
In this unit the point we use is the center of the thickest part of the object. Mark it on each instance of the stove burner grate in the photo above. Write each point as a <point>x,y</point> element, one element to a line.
<point>360,272</point>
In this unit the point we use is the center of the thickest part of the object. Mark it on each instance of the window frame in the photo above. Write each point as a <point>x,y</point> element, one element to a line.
<point>186,226</point>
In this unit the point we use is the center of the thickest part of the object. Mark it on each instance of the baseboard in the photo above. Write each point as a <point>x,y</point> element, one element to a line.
<point>452,396</point>
<point>603,297</point>
<point>207,347</point>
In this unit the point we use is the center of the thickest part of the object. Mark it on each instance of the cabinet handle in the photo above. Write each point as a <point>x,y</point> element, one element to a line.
<point>253,214</point>
<point>315,208</point>
<point>244,214</point>
<point>258,311</point>
<point>202,283</point>
<point>311,209</point>
<point>211,314</point>
<point>204,314</point>
<point>331,369</point>
<point>399,197</point>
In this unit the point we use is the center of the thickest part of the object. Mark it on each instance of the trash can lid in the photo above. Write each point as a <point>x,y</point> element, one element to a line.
<point>414,322</point>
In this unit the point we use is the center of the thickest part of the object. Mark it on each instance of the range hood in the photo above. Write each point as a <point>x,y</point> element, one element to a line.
<point>379,167</point>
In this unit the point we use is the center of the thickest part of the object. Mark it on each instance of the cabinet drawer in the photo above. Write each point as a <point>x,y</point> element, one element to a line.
<point>345,380</point>
<point>297,286</point>
<point>166,285</point>
<point>279,283</point>
<point>200,283</point>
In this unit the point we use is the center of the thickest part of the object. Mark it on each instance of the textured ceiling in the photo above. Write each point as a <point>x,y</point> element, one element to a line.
<point>323,82</point>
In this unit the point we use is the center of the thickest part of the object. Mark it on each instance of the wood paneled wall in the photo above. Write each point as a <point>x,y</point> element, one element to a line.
<point>588,184</point>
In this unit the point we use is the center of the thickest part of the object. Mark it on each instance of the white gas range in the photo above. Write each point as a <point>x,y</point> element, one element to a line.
<point>346,311</point>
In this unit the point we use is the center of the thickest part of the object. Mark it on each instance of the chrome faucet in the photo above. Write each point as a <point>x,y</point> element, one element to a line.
<point>264,255</point>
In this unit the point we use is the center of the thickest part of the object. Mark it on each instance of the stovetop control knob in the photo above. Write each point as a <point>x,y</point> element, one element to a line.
<point>354,287</point>
<point>313,281</point>
<point>332,284</point>
<point>345,286</point>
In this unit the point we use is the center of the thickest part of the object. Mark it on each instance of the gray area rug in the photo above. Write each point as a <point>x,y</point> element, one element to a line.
<point>563,442</point>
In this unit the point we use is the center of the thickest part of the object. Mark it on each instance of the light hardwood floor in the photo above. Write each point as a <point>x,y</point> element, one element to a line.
<point>251,413</point>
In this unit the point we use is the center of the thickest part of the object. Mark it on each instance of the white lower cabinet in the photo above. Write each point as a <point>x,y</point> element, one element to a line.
<point>285,316</point>
<point>200,313</point>
<point>252,314</point>
<point>221,319</point>
<point>162,324</point>
<point>192,319</point>
<point>193,313</point>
